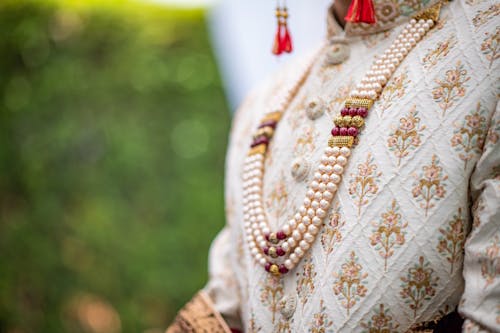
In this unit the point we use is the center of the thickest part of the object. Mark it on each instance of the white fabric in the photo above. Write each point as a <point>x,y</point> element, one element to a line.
<point>433,134</point>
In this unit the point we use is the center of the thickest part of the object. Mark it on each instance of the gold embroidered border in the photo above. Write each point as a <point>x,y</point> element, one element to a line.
<point>197,316</point>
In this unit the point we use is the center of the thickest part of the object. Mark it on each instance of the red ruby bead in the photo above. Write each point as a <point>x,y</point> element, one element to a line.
<point>281,235</point>
<point>353,112</point>
<point>266,250</point>
<point>344,112</point>
<point>280,252</point>
<point>335,131</point>
<point>352,131</point>
<point>283,269</point>
<point>363,112</point>
<point>260,140</point>
<point>266,236</point>
<point>343,131</point>
<point>267,267</point>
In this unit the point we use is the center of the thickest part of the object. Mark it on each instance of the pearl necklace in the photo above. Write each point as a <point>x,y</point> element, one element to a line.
<point>279,252</point>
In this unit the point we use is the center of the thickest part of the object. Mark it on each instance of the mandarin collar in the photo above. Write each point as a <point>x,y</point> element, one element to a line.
<point>389,14</point>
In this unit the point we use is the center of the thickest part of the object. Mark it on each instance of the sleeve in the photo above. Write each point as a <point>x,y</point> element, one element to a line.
<point>480,303</point>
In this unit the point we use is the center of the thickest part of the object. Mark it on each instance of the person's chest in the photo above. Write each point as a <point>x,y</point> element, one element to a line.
<point>391,243</point>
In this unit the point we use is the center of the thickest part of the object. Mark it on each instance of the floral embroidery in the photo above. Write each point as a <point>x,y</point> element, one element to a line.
<point>451,87</point>
<point>381,322</point>
<point>468,138</point>
<point>406,136</point>
<point>320,321</point>
<point>493,132</point>
<point>394,90</point>
<point>490,262</point>
<point>305,282</point>
<point>484,16</point>
<point>331,234</point>
<point>364,184</point>
<point>271,292</point>
<point>440,51</point>
<point>373,40</point>
<point>252,326</point>
<point>409,7</point>
<point>430,185</point>
<point>452,239</point>
<point>305,143</point>
<point>489,47</point>
<point>388,233</point>
<point>283,326</point>
<point>418,285</point>
<point>276,201</point>
<point>349,283</point>
<point>340,97</point>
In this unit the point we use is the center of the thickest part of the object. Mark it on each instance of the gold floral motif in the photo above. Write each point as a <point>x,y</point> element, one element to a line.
<point>418,285</point>
<point>363,185</point>
<point>271,291</point>
<point>331,234</point>
<point>252,325</point>
<point>305,282</point>
<point>440,51</point>
<point>394,90</point>
<point>321,322</point>
<point>484,16</point>
<point>489,47</point>
<point>490,262</point>
<point>451,87</point>
<point>341,95</point>
<point>468,138</point>
<point>350,282</point>
<point>381,322</point>
<point>430,185</point>
<point>276,201</point>
<point>493,132</point>
<point>407,136</point>
<point>388,233</point>
<point>452,239</point>
<point>283,326</point>
<point>305,142</point>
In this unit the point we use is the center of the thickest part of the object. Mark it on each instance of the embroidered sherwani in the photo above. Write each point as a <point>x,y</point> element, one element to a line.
<point>414,229</point>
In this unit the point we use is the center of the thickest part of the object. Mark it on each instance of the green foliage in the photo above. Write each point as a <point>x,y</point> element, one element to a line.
<point>113,128</point>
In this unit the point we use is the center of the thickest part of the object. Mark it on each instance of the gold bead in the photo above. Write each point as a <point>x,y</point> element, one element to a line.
<point>265,131</point>
<point>274,116</point>
<point>274,269</point>
<point>272,252</point>
<point>339,121</point>
<point>273,238</point>
<point>358,102</point>
<point>347,121</point>
<point>357,121</point>
<point>260,149</point>
<point>341,141</point>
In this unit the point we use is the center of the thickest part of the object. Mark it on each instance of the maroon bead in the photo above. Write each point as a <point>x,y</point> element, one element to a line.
<point>344,112</point>
<point>353,112</point>
<point>343,131</point>
<point>283,269</point>
<point>363,112</point>
<point>352,131</point>
<point>266,236</point>
<point>266,250</point>
<point>335,131</point>
<point>260,140</point>
<point>281,235</point>
<point>269,123</point>
<point>267,267</point>
<point>280,252</point>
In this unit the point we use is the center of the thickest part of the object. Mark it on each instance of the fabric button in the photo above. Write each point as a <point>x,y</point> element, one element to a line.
<point>287,306</point>
<point>315,109</point>
<point>337,53</point>
<point>300,168</point>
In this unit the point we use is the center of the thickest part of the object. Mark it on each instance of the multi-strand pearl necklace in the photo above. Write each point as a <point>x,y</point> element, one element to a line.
<point>279,252</point>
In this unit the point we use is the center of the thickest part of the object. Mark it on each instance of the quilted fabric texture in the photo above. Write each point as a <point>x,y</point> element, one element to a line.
<point>414,230</point>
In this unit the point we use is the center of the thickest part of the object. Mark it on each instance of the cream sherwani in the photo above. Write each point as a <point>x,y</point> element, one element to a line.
<point>414,229</point>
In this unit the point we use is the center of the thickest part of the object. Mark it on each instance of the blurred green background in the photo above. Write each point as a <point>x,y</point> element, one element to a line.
<point>113,128</point>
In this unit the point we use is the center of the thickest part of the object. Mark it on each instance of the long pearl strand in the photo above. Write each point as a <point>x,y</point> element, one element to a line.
<point>279,252</point>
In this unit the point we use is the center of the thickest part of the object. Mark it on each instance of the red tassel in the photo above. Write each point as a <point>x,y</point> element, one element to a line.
<point>277,49</point>
<point>361,11</point>
<point>287,40</point>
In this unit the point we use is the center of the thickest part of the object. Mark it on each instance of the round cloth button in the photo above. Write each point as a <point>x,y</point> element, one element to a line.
<point>300,168</point>
<point>337,54</point>
<point>287,306</point>
<point>315,108</point>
